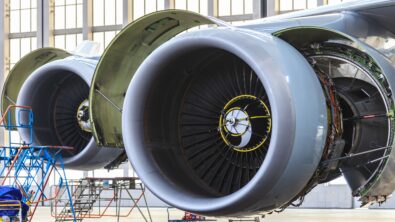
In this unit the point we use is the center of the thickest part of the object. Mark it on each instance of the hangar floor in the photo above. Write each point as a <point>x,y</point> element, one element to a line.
<point>290,215</point>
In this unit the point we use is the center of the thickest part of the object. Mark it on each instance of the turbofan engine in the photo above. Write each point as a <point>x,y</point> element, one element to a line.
<point>230,121</point>
<point>226,120</point>
<point>220,126</point>
<point>56,86</point>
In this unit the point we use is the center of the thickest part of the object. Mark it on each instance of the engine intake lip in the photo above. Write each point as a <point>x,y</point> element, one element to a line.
<point>40,84</point>
<point>288,161</point>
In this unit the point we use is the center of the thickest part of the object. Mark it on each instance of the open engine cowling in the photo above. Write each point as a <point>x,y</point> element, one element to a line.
<point>229,121</point>
<point>223,121</point>
<point>58,94</point>
<point>219,122</point>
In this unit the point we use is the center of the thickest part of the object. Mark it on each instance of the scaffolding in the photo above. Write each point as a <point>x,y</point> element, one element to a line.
<point>29,167</point>
<point>103,197</point>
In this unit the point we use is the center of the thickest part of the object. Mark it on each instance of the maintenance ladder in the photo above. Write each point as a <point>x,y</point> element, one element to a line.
<point>84,197</point>
<point>28,167</point>
<point>99,197</point>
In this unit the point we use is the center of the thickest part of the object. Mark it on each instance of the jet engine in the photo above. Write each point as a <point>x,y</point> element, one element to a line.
<point>56,86</point>
<point>227,121</point>
<point>234,121</point>
<point>219,123</point>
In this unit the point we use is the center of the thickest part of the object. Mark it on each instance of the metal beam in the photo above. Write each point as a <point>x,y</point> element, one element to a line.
<point>40,23</point>
<point>43,24</point>
<point>271,7</point>
<point>127,8</point>
<point>67,31</point>
<point>234,18</point>
<point>4,49</point>
<point>49,22</point>
<point>19,35</point>
<point>87,17</point>
<point>4,40</point>
<point>3,37</point>
<point>106,28</point>
<point>212,8</point>
<point>170,4</point>
<point>259,9</point>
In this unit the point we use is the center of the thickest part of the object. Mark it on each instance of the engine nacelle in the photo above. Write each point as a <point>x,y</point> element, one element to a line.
<point>58,94</point>
<point>228,121</point>
<point>219,122</point>
<point>222,121</point>
<point>57,90</point>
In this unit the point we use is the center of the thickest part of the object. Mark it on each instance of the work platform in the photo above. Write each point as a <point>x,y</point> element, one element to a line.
<point>28,167</point>
<point>103,198</point>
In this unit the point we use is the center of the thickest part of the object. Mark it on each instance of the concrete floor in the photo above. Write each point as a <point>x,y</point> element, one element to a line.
<point>290,215</point>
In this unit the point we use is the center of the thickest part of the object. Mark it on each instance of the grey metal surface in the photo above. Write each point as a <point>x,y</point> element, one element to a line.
<point>298,115</point>
<point>349,22</point>
<point>369,21</point>
<point>360,6</point>
<point>329,197</point>
<point>91,156</point>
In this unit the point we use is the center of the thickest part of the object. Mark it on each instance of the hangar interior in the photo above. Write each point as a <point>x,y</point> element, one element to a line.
<point>27,25</point>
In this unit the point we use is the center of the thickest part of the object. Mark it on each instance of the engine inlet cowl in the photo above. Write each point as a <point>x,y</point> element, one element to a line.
<point>57,92</point>
<point>218,122</point>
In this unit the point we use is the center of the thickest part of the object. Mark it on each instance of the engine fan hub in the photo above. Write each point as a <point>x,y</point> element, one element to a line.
<point>237,122</point>
<point>83,116</point>
<point>245,123</point>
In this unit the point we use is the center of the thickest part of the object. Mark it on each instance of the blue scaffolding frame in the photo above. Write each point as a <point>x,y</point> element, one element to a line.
<point>27,166</point>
